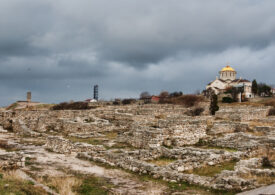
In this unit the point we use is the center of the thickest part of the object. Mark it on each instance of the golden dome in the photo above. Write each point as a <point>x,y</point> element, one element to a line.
<point>228,68</point>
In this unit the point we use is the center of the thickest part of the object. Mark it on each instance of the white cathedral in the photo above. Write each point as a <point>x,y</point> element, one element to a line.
<point>228,79</point>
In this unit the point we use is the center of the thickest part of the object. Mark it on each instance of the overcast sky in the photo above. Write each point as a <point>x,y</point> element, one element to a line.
<point>58,49</point>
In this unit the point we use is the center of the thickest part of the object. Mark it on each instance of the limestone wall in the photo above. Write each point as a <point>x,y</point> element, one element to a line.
<point>180,133</point>
<point>221,127</point>
<point>242,113</point>
<point>11,160</point>
<point>64,146</point>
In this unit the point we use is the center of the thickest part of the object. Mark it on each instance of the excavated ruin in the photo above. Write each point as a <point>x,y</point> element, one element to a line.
<point>158,141</point>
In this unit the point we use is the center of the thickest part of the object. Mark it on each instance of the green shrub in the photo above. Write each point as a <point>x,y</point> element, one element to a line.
<point>186,100</point>
<point>270,103</point>
<point>227,100</point>
<point>195,112</point>
<point>72,106</point>
<point>214,104</point>
<point>92,185</point>
<point>117,102</point>
<point>128,101</point>
<point>271,112</point>
<point>266,163</point>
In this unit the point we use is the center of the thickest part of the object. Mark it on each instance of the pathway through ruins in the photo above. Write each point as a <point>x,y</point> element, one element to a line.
<point>52,164</point>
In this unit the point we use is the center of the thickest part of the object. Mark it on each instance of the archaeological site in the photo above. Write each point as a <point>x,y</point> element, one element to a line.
<point>137,149</point>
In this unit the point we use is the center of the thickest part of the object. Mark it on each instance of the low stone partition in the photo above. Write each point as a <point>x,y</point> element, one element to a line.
<point>167,173</point>
<point>128,163</point>
<point>267,130</point>
<point>136,161</point>
<point>146,136</point>
<point>11,160</point>
<point>144,154</point>
<point>189,158</point>
<point>244,175</point>
<point>242,113</point>
<point>166,125</point>
<point>66,121</point>
<point>221,127</point>
<point>64,146</point>
<point>243,142</point>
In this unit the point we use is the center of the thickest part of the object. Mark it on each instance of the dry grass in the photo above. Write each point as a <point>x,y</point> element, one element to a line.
<point>3,144</point>
<point>209,124</point>
<point>261,179</point>
<point>12,175</point>
<point>257,133</point>
<point>162,161</point>
<point>261,102</point>
<point>270,102</point>
<point>265,179</point>
<point>36,142</point>
<point>62,185</point>
<point>160,116</point>
<point>254,124</point>
<point>75,183</point>
<point>111,135</point>
<point>236,104</point>
<point>41,107</point>
<point>11,182</point>
<point>92,141</point>
<point>267,152</point>
<point>270,154</point>
<point>213,170</point>
<point>65,185</point>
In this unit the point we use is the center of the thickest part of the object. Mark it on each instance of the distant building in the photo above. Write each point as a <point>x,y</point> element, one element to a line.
<point>21,104</point>
<point>96,92</point>
<point>29,96</point>
<point>91,100</point>
<point>228,79</point>
<point>151,99</point>
<point>155,99</point>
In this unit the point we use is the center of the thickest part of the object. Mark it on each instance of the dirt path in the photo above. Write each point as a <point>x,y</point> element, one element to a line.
<point>51,163</point>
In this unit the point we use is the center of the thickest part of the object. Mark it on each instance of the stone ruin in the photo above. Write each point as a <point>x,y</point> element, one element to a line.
<point>133,137</point>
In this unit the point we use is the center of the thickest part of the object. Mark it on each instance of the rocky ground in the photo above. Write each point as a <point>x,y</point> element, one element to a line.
<point>136,149</point>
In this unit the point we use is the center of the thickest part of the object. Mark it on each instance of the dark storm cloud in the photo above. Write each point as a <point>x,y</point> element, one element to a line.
<point>58,49</point>
<point>19,22</point>
<point>153,31</point>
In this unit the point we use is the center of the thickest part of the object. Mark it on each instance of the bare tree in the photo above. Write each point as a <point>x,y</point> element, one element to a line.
<point>164,94</point>
<point>145,95</point>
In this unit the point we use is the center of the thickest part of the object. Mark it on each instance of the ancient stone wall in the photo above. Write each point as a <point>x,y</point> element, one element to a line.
<point>11,160</point>
<point>64,146</point>
<point>221,127</point>
<point>242,113</point>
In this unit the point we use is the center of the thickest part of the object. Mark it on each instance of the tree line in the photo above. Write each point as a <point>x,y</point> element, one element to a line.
<point>261,89</point>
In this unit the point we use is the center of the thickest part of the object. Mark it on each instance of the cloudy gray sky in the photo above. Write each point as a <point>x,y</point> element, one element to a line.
<point>59,48</point>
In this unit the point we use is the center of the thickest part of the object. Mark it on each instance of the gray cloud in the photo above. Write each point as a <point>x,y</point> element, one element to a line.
<point>58,49</point>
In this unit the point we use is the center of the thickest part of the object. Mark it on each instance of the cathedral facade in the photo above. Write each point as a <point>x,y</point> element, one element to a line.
<point>227,79</point>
